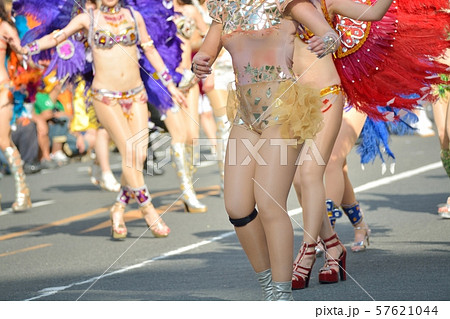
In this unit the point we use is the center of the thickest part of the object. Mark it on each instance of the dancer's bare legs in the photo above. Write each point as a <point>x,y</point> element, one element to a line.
<point>441,112</point>
<point>122,130</point>
<point>218,100</point>
<point>268,239</point>
<point>309,184</point>
<point>22,200</point>
<point>338,186</point>
<point>102,150</point>
<point>183,126</point>
<point>208,125</point>
<point>105,177</point>
<point>6,112</point>
<point>191,115</point>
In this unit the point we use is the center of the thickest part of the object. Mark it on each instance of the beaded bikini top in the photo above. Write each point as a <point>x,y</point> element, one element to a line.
<point>247,15</point>
<point>258,36</point>
<point>104,39</point>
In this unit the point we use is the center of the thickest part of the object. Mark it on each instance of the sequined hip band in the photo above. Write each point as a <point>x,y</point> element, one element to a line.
<point>118,94</point>
<point>125,99</point>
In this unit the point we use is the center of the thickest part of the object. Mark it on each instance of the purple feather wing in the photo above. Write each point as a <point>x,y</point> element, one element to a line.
<point>158,17</point>
<point>69,57</point>
<point>51,14</point>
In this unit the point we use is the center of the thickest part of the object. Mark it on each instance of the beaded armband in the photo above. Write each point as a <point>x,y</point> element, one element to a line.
<point>147,45</point>
<point>165,77</point>
<point>332,43</point>
<point>56,34</point>
<point>33,48</point>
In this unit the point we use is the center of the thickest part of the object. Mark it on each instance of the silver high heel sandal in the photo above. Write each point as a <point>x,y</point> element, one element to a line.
<point>182,164</point>
<point>23,200</point>
<point>356,216</point>
<point>118,228</point>
<point>154,222</point>
<point>359,246</point>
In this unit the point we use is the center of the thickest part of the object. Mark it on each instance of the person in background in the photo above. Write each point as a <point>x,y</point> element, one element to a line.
<point>52,122</point>
<point>8,31</point>
<point>273,114</point>
<point>119,95</point>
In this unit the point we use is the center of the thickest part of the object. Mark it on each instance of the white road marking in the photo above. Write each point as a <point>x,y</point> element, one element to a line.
<point>383,181</point>
<point>54,290</point>
<point>37,204</point>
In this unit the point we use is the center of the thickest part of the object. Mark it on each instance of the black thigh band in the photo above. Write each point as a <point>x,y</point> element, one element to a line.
<point>239,222</point>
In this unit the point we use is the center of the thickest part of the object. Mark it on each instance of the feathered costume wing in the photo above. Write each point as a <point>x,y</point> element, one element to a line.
<point>17,73</point>
<point>380,62</point>
<point>70,58</point>
<point>390,63</point>
<point>375,136</point>
<point>158,17</point>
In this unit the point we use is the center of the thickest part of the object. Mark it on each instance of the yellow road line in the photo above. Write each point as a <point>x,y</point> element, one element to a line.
<point>55,223</point>
<point>210,190</point>
<point>24,250</point>
<point>136,214</point>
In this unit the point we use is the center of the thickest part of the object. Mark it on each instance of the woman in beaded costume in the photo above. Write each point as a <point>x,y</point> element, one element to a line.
<point>8,31</point>
<point>183,124</point>
<point>215,88</point>
<point>119,94</point>
<point>273,116</point>
<point>334,142</point>
<point>100,170</point>
<point>441,112</point>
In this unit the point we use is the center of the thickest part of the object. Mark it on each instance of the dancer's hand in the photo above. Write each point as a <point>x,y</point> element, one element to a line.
<point>177,95</point>
<point>23,53</point>
<point>200,65</point>
<point>322,46</point>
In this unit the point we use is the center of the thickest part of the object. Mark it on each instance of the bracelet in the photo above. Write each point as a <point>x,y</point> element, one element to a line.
<point>33,48</point>
<point>165,77</point>
<point>56,34</point>
<point>147,45</point>
<point>332,43</point>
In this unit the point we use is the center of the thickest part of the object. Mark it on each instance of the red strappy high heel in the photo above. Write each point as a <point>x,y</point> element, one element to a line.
<point>301,274</point>
<point>327,274</point>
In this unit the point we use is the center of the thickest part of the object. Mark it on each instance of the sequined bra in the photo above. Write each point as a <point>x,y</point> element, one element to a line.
<point>247,15</point>
<point>104,39</point>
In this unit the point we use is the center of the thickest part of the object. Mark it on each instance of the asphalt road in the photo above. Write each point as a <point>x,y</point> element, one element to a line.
<point>60,250</point>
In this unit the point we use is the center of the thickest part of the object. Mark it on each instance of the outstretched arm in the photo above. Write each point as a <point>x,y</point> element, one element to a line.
<point>157,62</point>
<point>210,49</point>
<point>79,22</point>
<point>359,11</point>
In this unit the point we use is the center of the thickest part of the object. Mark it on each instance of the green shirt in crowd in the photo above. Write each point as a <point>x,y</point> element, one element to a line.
<point>44,103</point>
